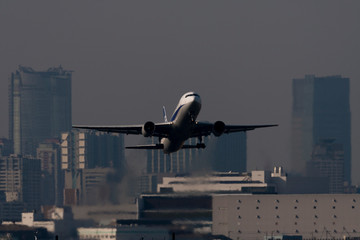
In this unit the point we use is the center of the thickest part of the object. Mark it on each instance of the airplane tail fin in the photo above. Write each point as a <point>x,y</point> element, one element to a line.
<point>164,113</point>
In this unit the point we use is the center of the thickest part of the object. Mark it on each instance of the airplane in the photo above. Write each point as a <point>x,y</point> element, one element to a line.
<point>182,126</point>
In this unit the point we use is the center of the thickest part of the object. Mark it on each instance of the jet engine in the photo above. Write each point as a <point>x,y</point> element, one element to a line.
<point>148,129</point>
<point>218,128</point>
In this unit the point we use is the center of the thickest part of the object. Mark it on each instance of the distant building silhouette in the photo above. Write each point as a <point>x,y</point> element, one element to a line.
<point>230,153</point>
<point>178,162</point>
<point>321,110</point>
<point>39,107</point>
<point>20,180</point>
<point>327,160</point>
<point>87,158</point>
<point>52,178</point>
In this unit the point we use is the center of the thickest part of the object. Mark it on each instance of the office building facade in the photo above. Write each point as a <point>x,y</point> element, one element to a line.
<point>52,177</point>
<point>230,153</point>
<point>20,180</point>
<point>321,110</point>
<point>39,107</point>
<point>88,157</point>
<point>327,161</point>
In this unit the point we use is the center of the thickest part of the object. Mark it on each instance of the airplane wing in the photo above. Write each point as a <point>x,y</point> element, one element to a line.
<point>205,128</point>
<point>161,129</point>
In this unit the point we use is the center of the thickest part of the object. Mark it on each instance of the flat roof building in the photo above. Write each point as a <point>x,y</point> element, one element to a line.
<point>313,216</point>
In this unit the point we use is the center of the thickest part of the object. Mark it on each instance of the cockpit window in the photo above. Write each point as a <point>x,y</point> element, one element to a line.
<point>192,94</point>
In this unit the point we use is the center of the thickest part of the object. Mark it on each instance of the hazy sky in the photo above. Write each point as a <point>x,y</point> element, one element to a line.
<point>132,57</point>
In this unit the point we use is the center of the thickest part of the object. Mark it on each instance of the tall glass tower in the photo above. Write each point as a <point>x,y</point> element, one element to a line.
<point>321,110</point>
<point>39,107</point>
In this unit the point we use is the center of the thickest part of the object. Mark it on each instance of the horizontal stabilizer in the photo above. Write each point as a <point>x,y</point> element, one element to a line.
<point>199,145</point>
<point>149,146</point>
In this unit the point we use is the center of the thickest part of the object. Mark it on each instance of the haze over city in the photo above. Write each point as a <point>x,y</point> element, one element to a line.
<point>131,58</point>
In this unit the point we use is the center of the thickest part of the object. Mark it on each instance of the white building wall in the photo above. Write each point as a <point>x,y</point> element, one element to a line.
<point>321,216</point>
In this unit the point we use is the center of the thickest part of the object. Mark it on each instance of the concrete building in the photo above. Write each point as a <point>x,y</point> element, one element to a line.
<point>229,153</point>
<point>87,158</point>
<point>94,188</point>
<point>91,149</point>
<point>179,162</point>
<point>321,110</point>
<point>327,161</point>
<point>52,178</point>
<point>20,180</point>
<point>5,147</point>
<point>256,181</point>
<point>124,233</point>
<point>39,107</point>
<point>313,216</point>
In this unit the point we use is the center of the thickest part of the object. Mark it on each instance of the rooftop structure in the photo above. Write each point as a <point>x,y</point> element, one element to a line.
<point>256,181</point>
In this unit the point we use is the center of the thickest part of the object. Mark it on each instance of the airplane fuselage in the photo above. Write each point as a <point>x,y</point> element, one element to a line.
<point>183,120</point>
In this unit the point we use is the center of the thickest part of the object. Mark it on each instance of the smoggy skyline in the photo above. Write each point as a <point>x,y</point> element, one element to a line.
<point>132,57</point>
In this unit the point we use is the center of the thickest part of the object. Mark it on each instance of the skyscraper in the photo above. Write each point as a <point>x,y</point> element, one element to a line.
<point>230,153</point>
<point>327,160</point>
<point>39,107</point>
<point>321,110</point>
<point>88,156</point>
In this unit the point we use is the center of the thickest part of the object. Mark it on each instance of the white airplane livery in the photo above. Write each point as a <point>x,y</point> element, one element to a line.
<point>182,126</point>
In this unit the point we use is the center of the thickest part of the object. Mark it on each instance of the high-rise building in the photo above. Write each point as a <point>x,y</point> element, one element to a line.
<point>87,158</point>
<point>39,107</point>
<point>230,153</point>
<point>178,162</point>
<point>20,180</point>
<point>321,110</point>
<point>52,178</point>
<point>327,160</point>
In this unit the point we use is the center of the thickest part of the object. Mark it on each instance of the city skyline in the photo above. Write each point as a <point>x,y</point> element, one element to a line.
<point>245,54</point>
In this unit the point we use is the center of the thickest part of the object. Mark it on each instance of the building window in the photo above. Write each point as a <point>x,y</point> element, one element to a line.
<point>295,207</point>
<point>316,216</point>
<point>258,201</point>
<point>334,207</point>
<point>334,200</point>
<point>353,207</point>
<point>239,201</point>
<point>277,200</point>
<point>257,207</point>
<point>315,200</point>
<point>277,216</point>
<point>238,208</point>
<point>354,200</point>
<point>296,216</point>
<point>276,207</point>
<point>239,217</point>
<point>314,207</point>
<point>258,216</point>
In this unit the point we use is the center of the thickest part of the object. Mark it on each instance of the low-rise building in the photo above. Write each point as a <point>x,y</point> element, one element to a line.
<point>313,216</point>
